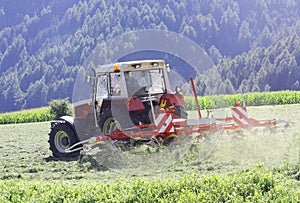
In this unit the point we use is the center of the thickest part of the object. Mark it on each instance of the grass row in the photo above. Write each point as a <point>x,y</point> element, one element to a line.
<point>251,99</point>
<point>206,102</point>
<point>252,185</point>
<point>27,116</point>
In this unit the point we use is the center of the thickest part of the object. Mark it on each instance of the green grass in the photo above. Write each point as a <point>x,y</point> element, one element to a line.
<point>27,116</point>
<point>256,184</point>
<point>230,172</point>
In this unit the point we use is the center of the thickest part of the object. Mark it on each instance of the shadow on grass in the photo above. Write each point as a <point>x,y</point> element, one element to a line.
<point>51,159</point>
<point>86,162</point>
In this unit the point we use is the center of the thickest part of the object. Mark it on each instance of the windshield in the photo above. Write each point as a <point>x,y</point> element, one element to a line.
<point>145,82</point>
<point>102,90</point>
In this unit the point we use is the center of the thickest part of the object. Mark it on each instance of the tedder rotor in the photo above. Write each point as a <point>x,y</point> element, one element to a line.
<point>132,103</point>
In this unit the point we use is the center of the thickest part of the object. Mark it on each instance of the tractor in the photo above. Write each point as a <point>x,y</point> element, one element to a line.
<point>132,104</point>
<point>124,95</point>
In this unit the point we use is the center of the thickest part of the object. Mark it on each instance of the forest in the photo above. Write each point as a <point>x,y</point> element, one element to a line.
<point>254,45</point>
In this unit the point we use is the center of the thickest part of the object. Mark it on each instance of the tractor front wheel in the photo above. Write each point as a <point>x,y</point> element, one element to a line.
<point>61,137</point>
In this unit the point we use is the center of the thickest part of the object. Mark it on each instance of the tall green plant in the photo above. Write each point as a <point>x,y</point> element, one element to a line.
<point>27,116</point>
<point>60,107</point>
<point>251,99</point>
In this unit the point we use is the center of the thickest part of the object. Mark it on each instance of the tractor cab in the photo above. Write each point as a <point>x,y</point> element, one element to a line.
<point>131,79</point>
<point>127,94</point>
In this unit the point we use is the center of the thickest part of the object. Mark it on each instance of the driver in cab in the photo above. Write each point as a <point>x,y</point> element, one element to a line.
<point>132,84</point>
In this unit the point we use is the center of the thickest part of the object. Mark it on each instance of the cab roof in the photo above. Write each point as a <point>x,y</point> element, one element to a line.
<point>131,66</point>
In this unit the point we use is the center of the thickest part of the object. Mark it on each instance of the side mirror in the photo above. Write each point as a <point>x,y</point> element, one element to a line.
<point>168,68</point>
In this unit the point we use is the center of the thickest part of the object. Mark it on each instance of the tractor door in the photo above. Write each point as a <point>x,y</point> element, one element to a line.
<point>100,93</point>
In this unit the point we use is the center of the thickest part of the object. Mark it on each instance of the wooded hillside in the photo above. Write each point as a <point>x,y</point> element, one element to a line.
<point>253,44</point>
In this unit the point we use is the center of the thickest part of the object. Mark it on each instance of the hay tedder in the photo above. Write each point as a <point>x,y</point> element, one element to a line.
<point>132,104</point>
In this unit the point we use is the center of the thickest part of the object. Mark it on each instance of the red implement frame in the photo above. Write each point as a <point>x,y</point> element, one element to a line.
<point>183,126</point>
<point>195,96</point>
<point>166,124</point>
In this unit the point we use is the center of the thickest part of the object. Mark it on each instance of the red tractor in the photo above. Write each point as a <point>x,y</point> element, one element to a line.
<point>132,104</point>
<point>125,95</point>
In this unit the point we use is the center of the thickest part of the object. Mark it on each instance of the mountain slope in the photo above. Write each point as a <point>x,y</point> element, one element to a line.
<point>255,45</point>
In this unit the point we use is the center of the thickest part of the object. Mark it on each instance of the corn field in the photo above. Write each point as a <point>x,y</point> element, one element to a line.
<point>250,99</point>
<point>27,116</point>
<point>206,102</point>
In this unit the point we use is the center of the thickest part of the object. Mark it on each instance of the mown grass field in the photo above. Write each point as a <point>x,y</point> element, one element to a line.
<point>253,165</point>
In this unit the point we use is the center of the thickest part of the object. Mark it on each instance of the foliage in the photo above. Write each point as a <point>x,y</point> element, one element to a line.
<point>255,45</point>
<point>251,99</point>
<point>60,107</point>
<point>56,109</point>
<point>251,185</point>
<point>261,69</point>
<point>27,116</point>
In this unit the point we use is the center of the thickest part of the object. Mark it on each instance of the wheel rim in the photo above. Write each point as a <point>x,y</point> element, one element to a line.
<point>62,141</point>
<point>110,125</point>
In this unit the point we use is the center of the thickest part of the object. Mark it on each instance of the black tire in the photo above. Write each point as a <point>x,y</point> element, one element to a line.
<point>61,137</point>
<point>108,123</point>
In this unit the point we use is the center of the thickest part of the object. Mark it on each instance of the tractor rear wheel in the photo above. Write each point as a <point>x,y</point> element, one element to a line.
<point>61,137</point>
<point>108,123</point>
